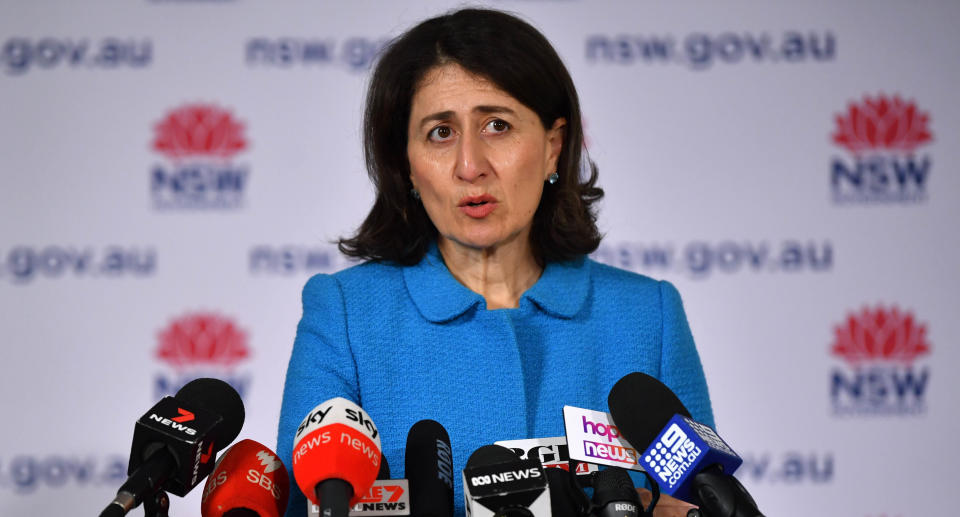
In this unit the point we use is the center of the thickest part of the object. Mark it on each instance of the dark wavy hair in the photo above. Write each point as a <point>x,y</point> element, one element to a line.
<point>520,61</point>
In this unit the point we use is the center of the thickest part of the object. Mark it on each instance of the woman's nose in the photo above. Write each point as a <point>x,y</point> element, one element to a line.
<point>472,160</point>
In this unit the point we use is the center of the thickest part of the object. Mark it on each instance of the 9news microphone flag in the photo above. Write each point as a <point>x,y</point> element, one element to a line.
<point>687,459</point>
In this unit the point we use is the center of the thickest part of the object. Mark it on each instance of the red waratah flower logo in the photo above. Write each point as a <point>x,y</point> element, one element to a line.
<point>199,130</point>
<point>880,334</point>
<point>882,123</point>
<point>202,338</point>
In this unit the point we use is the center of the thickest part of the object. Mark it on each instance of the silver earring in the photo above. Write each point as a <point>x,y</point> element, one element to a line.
<point>415,193</point>
<point>553,178</point>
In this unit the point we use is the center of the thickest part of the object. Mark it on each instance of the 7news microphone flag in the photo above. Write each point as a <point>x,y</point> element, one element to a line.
<point>175,443</point>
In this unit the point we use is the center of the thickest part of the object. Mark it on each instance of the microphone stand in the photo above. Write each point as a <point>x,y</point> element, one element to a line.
<point>157,505</point>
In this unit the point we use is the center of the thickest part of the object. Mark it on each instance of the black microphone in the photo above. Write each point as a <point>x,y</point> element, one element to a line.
<point>384,472</point>
<point>175,442</point>
<point>428,466</point>
<point>564,500</point>
<point>497,483</point>
<point>686,458</point>
<point>614,494</point>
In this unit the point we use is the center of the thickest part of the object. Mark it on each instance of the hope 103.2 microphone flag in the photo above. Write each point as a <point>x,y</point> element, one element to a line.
<point>336,450</point>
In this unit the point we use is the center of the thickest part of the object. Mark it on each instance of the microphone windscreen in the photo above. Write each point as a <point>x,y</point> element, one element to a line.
<point>336,441</point>
<point>384,472</point>
<point>641,406</point>
<point>614,484</point>
<point>563,503</point>
<point>428,466</point>
<point>219,398</point>
<point>491,455</point>
<point>248,478</point>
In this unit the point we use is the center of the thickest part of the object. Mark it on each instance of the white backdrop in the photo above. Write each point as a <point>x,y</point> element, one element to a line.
<point>725,135</point>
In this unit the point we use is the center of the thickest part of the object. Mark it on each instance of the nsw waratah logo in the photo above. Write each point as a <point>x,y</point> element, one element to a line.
<point>881,349</point>
<point>882,135</point>
<point>199,143</point>
<point>201,344</point>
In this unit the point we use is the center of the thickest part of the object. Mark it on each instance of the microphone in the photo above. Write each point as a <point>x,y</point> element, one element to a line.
<point>614,494</point>
<point>384,472</point>
<point>496,483</point>
<point>428,464</point>
<point>687,459</point>
<point>336,456</point>
<point>174,442</point>
<point>564,500</point>
<point>248,480</point>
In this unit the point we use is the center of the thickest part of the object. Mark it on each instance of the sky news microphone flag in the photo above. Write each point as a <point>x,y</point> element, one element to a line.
<point>336,456</point>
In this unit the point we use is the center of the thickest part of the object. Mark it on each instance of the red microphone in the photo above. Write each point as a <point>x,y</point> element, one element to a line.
<point>336,456</point>
<point>248,480</point>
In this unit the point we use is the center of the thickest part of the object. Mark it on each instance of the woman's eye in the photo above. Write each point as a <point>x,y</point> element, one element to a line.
<point>497,126</point>
<point>440,133</point>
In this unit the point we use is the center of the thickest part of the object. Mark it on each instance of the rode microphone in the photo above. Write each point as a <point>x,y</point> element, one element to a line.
<point>336,456</point>
<point>614,494</point>
<point>496,483</point>
<point>428,464</point>
<point>248,480</point>
<point>687,459</point>
<point>174,444</point>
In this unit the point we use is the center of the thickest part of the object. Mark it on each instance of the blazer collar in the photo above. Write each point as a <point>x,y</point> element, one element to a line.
<point>561,290</point>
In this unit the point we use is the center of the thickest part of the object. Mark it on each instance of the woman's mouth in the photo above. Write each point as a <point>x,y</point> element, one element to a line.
<point>478,207</point>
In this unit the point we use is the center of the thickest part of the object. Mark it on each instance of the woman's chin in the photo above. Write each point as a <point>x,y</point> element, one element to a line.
<point>478,242</point>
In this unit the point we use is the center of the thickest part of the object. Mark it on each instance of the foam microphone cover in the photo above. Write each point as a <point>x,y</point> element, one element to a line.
<point>220,398</point>
<point>250,477</point>
<point>428,466</point>
<point>613,485</point>
<point>336,440</point>
<point>641,406</point>
<point>563,502</point>
<point>491,455</point>
<point>384,472</point>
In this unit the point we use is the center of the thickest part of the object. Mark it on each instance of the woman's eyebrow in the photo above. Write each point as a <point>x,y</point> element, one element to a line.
<point>493,109</point>
<point>440,115</point>
<point>446,115</point>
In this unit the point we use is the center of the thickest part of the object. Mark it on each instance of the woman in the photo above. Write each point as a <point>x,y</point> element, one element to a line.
<point>477,306</point>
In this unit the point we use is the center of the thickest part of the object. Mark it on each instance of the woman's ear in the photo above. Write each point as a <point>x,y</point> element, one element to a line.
<point>555,138</point>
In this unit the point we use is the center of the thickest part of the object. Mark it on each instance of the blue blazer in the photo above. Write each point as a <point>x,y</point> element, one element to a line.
<point>411,342</point>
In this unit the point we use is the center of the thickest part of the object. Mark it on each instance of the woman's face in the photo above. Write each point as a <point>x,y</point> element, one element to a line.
<point>478,157</point>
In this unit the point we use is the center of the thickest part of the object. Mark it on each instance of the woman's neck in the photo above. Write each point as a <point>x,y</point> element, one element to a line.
<point>501,275</point>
